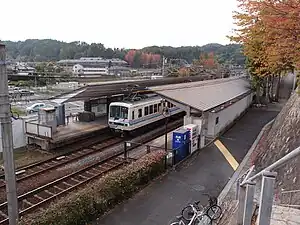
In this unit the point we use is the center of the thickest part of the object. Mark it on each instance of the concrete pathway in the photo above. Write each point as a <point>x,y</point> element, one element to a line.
<point>206,172</point>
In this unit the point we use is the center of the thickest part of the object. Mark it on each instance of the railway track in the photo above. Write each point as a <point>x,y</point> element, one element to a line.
<point>68,150</point>
<point>58,161</point>
<point>40,196</point>
<point>110,159</point>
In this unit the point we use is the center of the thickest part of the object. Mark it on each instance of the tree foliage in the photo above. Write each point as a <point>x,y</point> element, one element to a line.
<point>52,50</point>
<point>207,61</point>
<point>269,31</point>
<point>137,58</point>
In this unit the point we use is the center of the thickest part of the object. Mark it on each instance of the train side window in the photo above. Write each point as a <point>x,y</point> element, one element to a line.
<point>132,115</point>
<point>159,107</point>
<point>155,108</point>
<point>146,110</point>
<point>151,109</point>
<point>140,114</point>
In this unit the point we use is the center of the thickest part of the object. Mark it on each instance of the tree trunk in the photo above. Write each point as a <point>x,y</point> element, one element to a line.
<point>272,88</point>
<point>257,94</point>
<point>277,88</point>
<point>264,88</point>
<point>267,90</point>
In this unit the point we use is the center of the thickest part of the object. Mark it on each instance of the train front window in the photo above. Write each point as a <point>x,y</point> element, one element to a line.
<point>119,112</point>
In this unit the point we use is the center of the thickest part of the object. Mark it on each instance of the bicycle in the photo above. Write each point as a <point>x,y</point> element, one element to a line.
<point>213,210</point>
<point>197,212</point>
<point>197,217</point>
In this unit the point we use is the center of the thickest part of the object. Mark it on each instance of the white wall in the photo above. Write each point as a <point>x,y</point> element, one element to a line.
<point>19,138</point>
<point>99,109</point>
<point>227,116</point>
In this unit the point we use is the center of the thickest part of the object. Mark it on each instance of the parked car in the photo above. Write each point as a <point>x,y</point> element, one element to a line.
<point>35,107</point>
<point>26,92</point>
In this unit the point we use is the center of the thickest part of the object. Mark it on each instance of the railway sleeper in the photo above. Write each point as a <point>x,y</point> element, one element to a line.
<point>27,202</point>
<point>84,177</point>
<point>2,214</point>
<point>38,197</point>
<point>61,189</point>
<point>67,184</point>
<point>49,192</point>
<point>73,179</point>
<point>90,173</point>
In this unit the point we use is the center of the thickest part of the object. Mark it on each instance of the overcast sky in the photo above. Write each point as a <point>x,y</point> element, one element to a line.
<point>119,23</point>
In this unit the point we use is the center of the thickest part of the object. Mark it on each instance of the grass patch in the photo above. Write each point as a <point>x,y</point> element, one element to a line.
<point>100,196</point>
<point>25,157</point>
<point>17,111</point>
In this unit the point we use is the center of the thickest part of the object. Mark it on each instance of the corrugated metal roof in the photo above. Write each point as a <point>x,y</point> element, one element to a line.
<point>205,95</point>
<point>120,87</point>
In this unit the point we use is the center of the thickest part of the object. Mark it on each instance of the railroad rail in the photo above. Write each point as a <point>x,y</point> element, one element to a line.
<point>110,159</point>
<point>40,196</point>
<point>71,148</point>
<point>58,161</point>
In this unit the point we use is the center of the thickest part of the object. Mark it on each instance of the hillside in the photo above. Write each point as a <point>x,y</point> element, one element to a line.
<point>47,50</point>
<point>283,138</point>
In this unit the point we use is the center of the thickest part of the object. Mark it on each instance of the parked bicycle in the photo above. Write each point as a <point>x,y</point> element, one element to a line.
<point>196,212</point>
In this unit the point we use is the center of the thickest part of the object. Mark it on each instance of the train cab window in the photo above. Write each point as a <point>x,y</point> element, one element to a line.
<point>140,114</point>
<point>146,110</point>
<point>132,115</point>
<point>155,108</point>
<point>151,109</point>
<point>119,112</point>
<point>169,105</point>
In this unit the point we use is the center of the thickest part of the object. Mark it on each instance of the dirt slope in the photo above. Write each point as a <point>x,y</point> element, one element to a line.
<point>284,137</point>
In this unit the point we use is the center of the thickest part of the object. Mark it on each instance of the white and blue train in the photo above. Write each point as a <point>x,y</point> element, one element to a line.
<point>127,116</point>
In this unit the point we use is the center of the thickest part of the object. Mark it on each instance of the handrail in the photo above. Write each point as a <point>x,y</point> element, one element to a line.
<point>275,165</point>
<point>291,191</point>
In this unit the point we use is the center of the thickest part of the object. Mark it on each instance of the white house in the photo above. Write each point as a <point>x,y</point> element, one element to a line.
<point>80,70</point>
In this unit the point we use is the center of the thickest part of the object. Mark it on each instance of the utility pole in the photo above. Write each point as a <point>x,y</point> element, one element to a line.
<point>163,67</point>
<point>7,143</point>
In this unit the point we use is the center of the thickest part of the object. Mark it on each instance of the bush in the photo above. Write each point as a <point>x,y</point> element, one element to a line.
<point>100,196</point>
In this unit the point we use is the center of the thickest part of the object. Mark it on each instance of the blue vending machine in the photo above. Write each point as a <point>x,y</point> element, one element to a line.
<point>180,143</point>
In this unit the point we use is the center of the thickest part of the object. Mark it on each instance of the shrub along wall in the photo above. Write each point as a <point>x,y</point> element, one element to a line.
<point>100,196</point>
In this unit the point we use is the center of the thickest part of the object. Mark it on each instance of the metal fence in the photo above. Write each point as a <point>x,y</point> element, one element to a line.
<point>39,130</point>
<point>135,150</point>
<point>246,188</point>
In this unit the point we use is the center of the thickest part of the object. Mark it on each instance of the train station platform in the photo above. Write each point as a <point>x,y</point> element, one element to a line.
<point>207,171</point>
<point>74,131</point>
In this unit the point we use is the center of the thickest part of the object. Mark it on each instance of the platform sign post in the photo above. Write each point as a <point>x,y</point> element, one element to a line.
<point>125,150</point>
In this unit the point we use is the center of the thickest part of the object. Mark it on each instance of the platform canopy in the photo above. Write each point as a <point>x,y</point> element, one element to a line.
<point>120,87</point>
<point>205,95</point>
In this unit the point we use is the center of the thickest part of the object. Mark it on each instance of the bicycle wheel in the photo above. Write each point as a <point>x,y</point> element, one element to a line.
<point>187,213</point>
<point>214,212</point>
<point>202,219</point>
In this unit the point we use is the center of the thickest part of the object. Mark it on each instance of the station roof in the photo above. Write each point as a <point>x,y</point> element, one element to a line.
<point>121,87</point>
<point>205,95</point>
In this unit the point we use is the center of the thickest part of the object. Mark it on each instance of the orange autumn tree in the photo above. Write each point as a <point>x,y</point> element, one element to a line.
<point>268,30</point>
<point>207,60</point>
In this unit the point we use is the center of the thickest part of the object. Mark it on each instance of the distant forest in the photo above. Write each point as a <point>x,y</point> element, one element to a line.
<point>52,50</point>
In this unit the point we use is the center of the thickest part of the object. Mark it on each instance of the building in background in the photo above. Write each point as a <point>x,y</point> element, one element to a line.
<point>20,68</point>
<point>91,62</point>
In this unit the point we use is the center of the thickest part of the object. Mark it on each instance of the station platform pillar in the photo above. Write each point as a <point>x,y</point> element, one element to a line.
<point>87,106</point>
